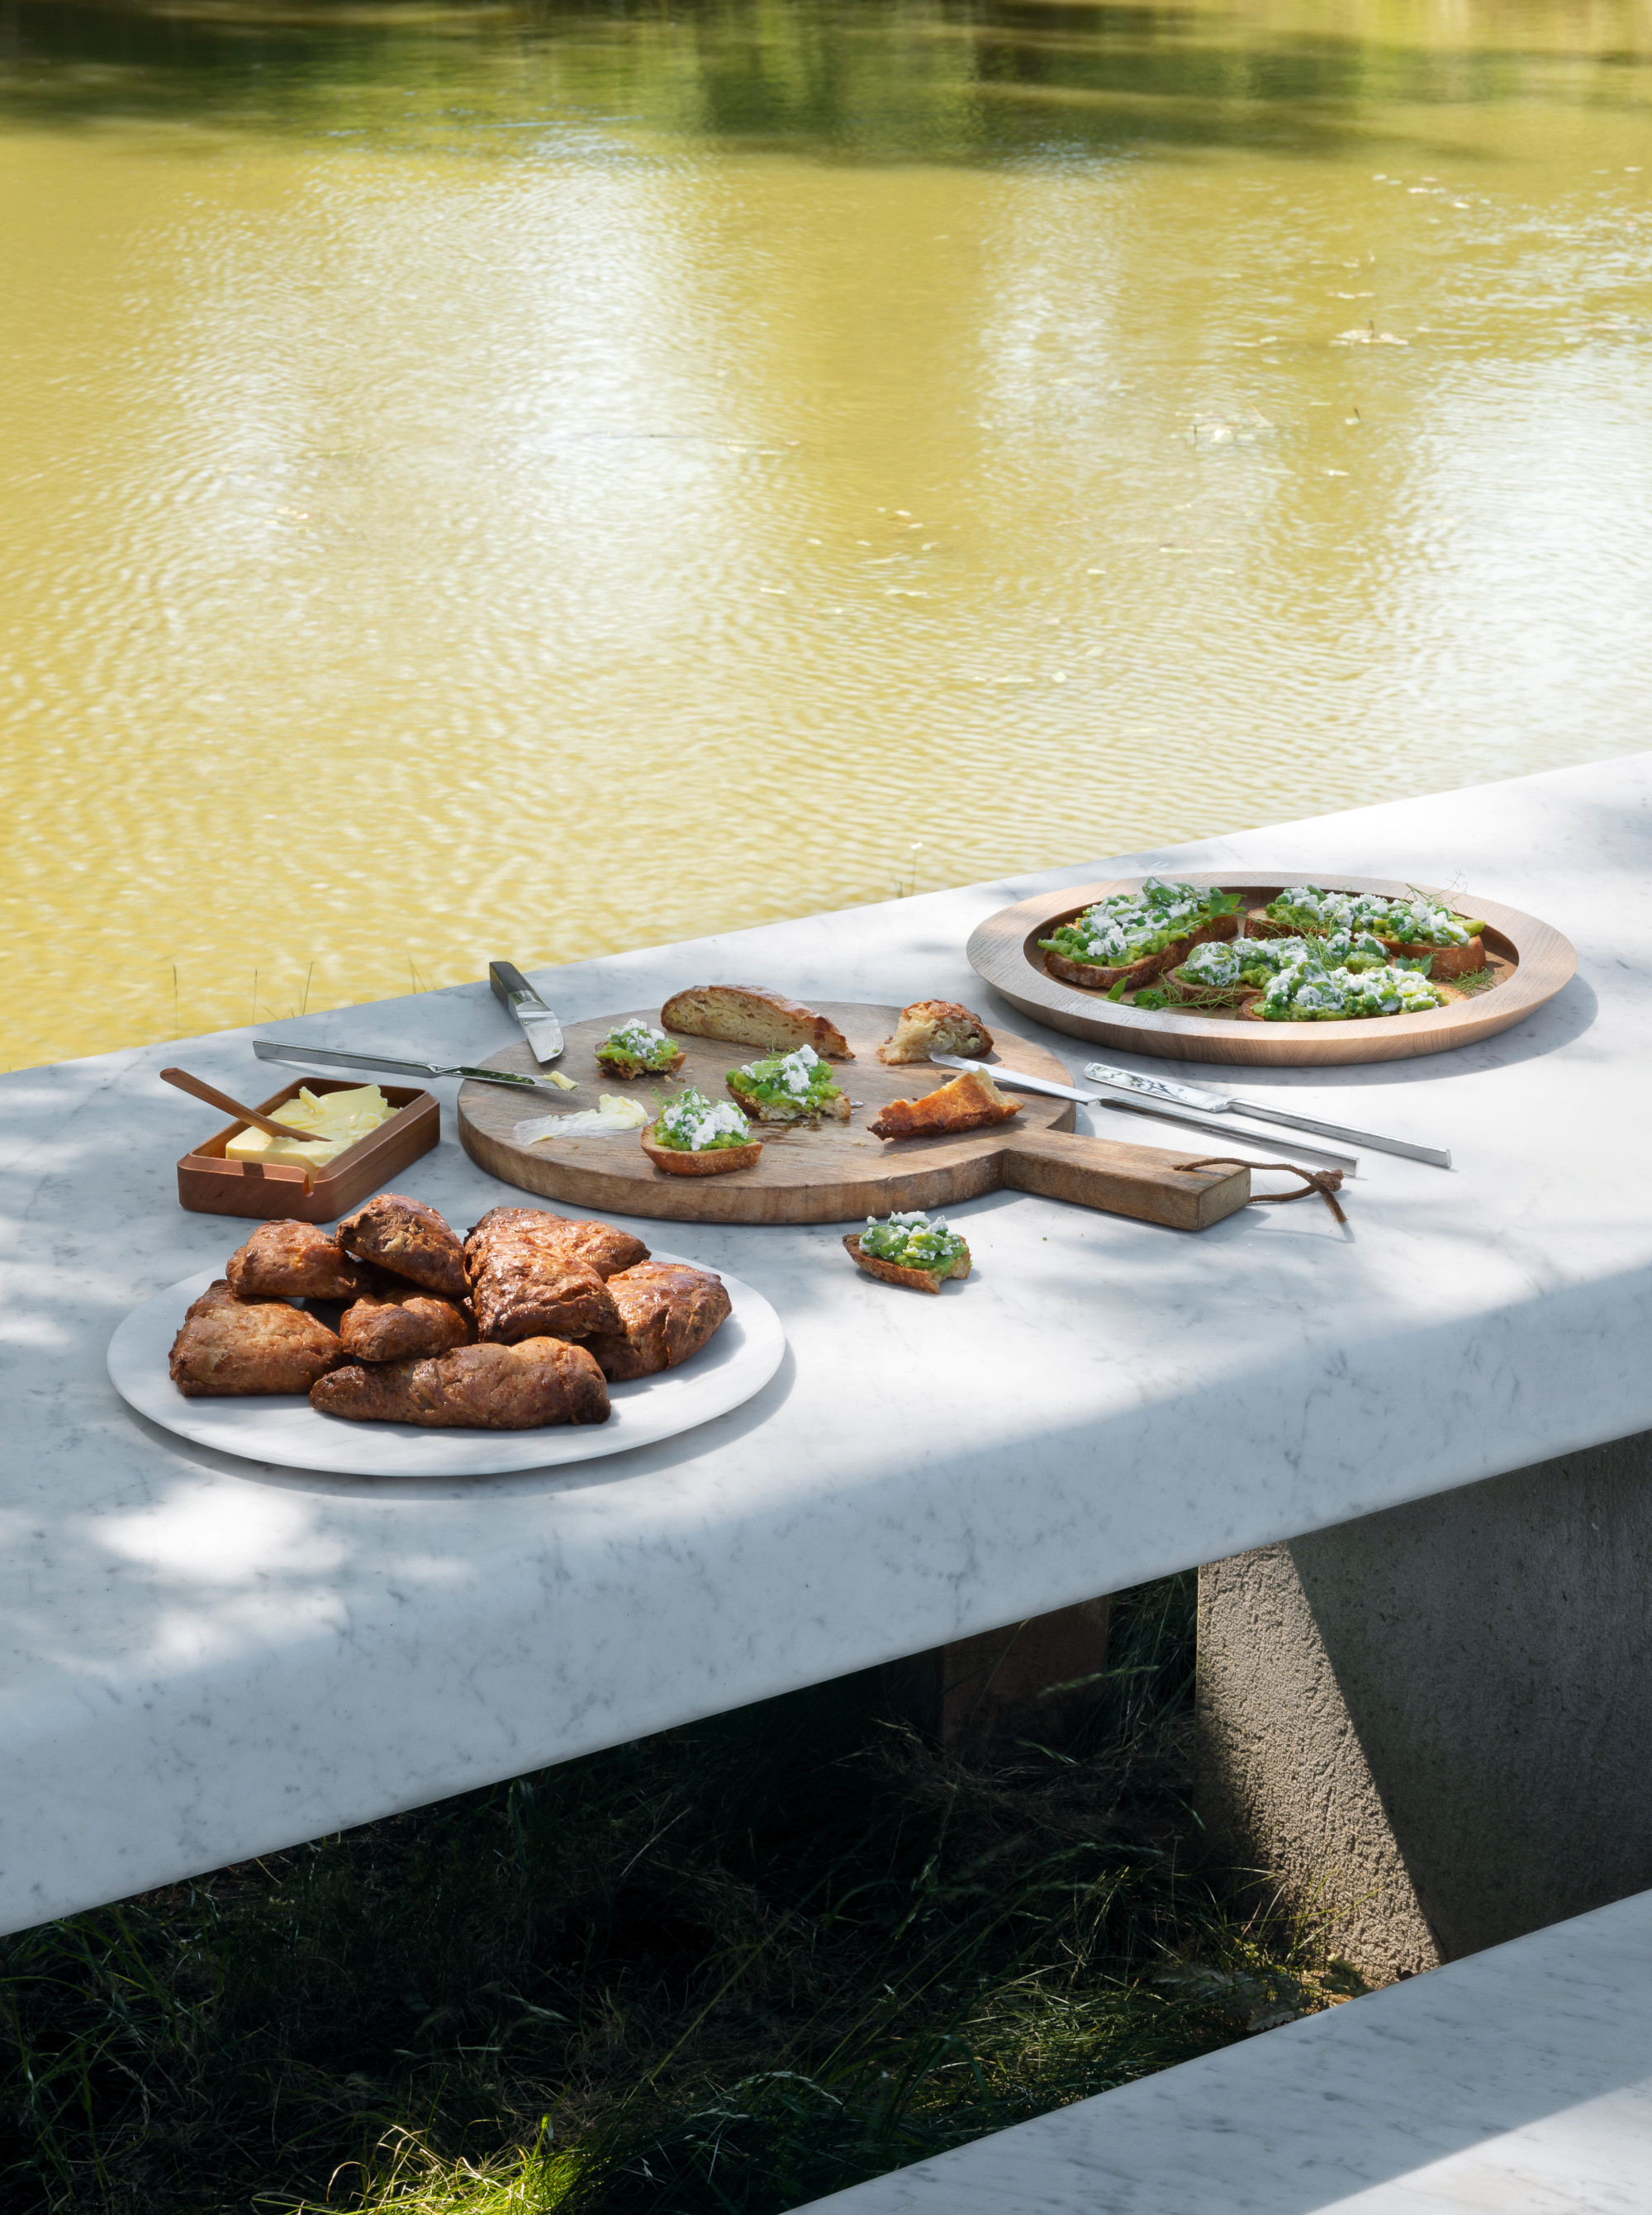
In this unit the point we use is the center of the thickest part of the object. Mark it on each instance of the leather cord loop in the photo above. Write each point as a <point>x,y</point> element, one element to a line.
<point>1326,1183</point>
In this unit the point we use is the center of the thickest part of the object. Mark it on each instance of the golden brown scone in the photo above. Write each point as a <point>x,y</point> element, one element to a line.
<point>935,1026</point>
<point>231,1348</point>
<point>668,1311</point>
<point>295,1261</point>
<point>537,1275</point>
<point>750,1015</point>
<point>606,1249</point>
<point>398,1324</point>
<point>968,1103</point>
<point>475,1388</point>
<point>408,1239</point>
<point>711,1161</point>
<point>898,1273</point>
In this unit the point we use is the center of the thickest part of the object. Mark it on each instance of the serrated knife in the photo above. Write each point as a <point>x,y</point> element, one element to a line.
<point>309,1057</point>
<point>538,1026</point>
<point>1223,1103</point>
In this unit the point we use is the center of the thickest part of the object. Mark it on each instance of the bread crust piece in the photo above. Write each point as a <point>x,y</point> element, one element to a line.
<point>408,1239</point>
<point>475,1388</point>
<point>969,1102</point>
<point>899,1272</point>
<point>668,1311</point>
<point>231,1348</point>
<point>779,1110</point>
<point>711,1161</point>
<point>750,1014</point>
<point>401,1323</point>
<point>931,1026</point>
<point>295,1261</point>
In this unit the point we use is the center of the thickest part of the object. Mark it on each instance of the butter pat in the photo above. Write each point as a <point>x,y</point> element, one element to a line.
<point>614,1114</point>
<point>325,1125</point>
<point>286,1153</point>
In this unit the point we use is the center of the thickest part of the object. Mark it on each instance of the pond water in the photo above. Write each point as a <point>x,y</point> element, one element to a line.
<point>530,481</point>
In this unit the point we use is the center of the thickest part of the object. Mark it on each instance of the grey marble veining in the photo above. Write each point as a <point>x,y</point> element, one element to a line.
<point>201,1658</point>
<point>1519,2081</point>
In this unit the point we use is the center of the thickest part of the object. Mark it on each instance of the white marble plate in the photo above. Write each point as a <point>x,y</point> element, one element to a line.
<point>286,1429</point>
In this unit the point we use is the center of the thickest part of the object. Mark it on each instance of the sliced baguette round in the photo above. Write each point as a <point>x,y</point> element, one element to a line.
<point>750,1014</point>
<point>635,1075</point>
<point>780,1111</point>
<point>713,1160</point>
<point>898,1273</point>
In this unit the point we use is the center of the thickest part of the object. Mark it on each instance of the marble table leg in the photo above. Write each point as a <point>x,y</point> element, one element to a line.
<point>1431,1726</point>
<point>988,1699</point>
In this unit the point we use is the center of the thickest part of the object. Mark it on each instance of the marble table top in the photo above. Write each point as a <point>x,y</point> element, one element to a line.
<point>1518,2080</point>
<point>202,1657</point>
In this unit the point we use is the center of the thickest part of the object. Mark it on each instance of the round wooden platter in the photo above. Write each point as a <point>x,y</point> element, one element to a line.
<point>1530,961</point>
<point>839,1172</point>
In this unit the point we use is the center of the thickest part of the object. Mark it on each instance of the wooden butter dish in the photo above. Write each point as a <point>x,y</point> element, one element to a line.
<point>210,1185</point>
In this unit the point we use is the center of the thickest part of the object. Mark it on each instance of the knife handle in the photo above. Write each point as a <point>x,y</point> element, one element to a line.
<point>508,983</point>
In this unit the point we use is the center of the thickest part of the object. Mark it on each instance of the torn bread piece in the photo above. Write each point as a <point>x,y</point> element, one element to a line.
<point>931,1027</point>
<point>969,1102</point>
<point>750,1014</point>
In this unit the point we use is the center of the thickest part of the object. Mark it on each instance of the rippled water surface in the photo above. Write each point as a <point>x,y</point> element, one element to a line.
<point>530,481</point>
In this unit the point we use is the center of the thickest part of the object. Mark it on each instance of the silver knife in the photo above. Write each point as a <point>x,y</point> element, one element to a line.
<point>538,1026</point>
<point>1222,1103</point>
<point>1013,1077</point>
<point>273,1050</point>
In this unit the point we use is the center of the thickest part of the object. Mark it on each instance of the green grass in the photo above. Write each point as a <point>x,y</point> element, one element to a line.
<point>728,1968</point>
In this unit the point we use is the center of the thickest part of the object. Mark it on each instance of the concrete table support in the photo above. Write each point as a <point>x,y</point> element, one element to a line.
<point>1431,1725</point>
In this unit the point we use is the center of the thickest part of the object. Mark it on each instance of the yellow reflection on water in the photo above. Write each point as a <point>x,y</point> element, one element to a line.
<point>520,483</point>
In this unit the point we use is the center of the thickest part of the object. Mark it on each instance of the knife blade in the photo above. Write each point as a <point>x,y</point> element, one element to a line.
<point>306,1056</point>
<point>1222,1103</point>
<point>1173,1110</point>
<point>538,1026</point>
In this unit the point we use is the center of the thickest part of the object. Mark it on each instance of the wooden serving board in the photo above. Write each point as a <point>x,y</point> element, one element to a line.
<point>839,1172</point>
<point>1529,959</point>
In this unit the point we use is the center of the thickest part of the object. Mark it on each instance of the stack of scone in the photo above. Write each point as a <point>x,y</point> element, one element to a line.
<point>526,1322</point>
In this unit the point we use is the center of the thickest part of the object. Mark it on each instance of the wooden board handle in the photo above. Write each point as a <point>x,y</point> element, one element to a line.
<point>1138,1181</point>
